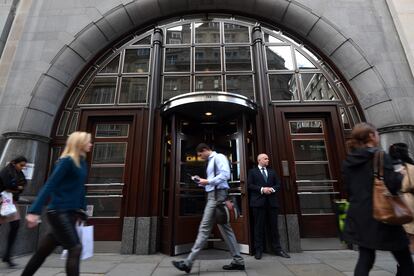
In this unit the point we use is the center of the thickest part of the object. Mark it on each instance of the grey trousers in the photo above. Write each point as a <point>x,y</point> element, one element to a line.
<point>206,225</point>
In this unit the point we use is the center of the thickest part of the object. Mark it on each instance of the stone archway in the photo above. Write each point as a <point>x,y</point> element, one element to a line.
<point>52,88</point>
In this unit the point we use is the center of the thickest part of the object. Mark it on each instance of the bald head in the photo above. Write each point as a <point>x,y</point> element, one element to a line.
<point>263,160</point>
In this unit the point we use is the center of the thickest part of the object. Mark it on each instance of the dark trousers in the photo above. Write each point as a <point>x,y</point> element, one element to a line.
<point>14,228</point>
<point>63,233</point>
<point>261,215</point>
<point>367,258</point>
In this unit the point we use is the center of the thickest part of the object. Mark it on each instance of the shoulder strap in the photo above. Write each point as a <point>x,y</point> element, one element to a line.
<point>379,164</point>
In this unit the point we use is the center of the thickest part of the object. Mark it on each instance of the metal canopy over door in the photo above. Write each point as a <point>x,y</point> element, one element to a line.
<point>225,137</point>
<point>314,162</point>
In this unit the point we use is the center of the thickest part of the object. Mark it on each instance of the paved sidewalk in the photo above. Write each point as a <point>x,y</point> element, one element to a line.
<point>308,263</point>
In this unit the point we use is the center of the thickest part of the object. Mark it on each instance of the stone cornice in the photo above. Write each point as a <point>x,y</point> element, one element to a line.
<point>26,135</point>
<point>395,128</point>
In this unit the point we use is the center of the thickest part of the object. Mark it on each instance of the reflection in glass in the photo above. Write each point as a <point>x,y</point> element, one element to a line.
<point>207,59</point>
<point>109,153</point>
<point>112,66</point>
<point>105,206</point>
<point>316,203</point>
<point>355,115</point>
<point>329,71</point>
<point>192,203</point>
<point>111,130</point>
<point>208,83</point>
<point>345,119</point>
<point>306,127</point>
<point>312,171</point>
<point>240,84</point>
<point>207,32</point>
<point>316,87</point>
<point>175,85</point>
<point>105,175</point>
<point>316,186</point>
<point>177,60</point>
<point>137,60</point>
<point>234,33</point>
<point>271,39</point>
<point>279,58</point>
<point>133,90</point>
<point>144,41</point>
<point>179,34</point>
<point>283,87</point>
<point>303,62</point>
<point>238,58</point>
<point>309,150</point>
<point>101,91</point>
<point>73,123</point>
<point>62,123</point>
<point>344,92</point>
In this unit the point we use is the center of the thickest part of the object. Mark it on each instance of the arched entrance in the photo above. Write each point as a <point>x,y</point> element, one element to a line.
<point>259,85</point>
<point>224,121</point>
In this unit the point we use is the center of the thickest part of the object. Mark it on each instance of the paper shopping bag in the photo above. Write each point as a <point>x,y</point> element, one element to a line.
<point>86,237</point>
<point>85,234</point>
<point>7,206</point>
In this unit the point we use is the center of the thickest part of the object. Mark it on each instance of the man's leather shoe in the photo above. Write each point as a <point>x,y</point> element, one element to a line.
<point>233,266</point>
<point>180,265</point>
<point>258,255</point>
<point>282,253</point>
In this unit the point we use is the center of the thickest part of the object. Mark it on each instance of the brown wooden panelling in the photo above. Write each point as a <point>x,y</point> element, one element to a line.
<point>318,226</point>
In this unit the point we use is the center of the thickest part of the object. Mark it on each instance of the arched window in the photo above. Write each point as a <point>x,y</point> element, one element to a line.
<point>208,54</point>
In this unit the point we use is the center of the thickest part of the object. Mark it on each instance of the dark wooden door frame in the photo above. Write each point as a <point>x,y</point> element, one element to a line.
<point>335,137</point>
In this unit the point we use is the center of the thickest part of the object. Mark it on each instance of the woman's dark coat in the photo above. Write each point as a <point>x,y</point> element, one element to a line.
<point>361,228</point>
<point>11,180</point>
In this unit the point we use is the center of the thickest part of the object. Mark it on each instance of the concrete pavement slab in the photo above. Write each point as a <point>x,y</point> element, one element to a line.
<point>210,262</point>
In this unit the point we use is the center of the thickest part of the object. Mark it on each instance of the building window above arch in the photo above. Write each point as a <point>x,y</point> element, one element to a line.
<point>208,54</point>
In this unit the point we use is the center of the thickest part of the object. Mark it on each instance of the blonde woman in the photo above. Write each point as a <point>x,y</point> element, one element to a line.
<point>67,205</point>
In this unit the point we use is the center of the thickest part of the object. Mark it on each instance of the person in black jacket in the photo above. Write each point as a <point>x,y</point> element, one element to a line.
<point>263,184</point>
<point>361,228</point>
<point>13,181</point>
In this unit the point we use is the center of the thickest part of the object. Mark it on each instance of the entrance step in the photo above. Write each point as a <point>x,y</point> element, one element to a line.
<point>107,247</point>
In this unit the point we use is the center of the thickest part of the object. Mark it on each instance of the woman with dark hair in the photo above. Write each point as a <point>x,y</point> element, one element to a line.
<point>361,228</point>
<point>13,181</point>
<point>399,154</point>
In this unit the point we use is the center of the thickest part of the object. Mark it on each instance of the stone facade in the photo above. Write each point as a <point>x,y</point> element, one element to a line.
<point>51,41</point>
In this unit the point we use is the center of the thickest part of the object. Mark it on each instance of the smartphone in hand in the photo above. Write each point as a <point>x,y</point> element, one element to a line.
<point>194,178</point>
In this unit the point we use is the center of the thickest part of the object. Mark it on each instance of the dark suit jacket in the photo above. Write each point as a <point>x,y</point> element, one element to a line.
<point>256,181</point>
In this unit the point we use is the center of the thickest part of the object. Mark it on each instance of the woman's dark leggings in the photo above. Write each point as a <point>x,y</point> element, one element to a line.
<point>14,228</point>
<point>63,233</point>
<point>367,258</point>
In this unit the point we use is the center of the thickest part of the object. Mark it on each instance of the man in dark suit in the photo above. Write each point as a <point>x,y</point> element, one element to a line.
<point>263,183</point>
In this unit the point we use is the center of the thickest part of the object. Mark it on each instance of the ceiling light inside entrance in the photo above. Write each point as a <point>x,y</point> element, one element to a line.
<point>208,113</point>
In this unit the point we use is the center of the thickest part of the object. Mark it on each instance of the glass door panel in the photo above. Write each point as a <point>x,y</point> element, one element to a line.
<point>106,178</point>
<point>316,185</point>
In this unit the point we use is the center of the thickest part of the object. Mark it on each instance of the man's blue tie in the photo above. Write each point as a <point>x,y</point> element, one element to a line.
<point>264,174</point>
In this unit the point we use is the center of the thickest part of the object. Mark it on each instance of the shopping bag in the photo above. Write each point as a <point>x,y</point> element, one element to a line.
<point>7,206</point>
<point>85,234</point>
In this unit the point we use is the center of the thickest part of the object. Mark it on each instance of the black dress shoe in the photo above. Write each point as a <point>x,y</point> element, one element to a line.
<point>180,265</point>
<point>233,266</point>
<point>282,253</point>
<point>10,263</point>
<point>258,255</point>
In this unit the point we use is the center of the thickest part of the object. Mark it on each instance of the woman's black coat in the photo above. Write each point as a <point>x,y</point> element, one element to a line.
<point>11,180</point>
<point>361,228</point>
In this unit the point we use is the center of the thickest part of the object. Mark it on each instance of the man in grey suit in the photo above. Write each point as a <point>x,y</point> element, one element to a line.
<point>216,186</point>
